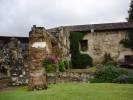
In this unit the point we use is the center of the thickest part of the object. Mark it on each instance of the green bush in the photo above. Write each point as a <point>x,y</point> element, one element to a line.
<point>124,79</point>
<point>49,66</point>
<point>61,66</point>
<point>110,73</point>
<point>78,60</point>
<point>66,63</point>
<point>106,74</point>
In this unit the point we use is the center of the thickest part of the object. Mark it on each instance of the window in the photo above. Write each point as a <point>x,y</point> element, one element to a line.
<point>84,45</point>
<point>129,59</point>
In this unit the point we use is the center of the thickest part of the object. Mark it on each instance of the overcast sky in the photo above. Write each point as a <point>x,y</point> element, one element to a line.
<point>18,16</point>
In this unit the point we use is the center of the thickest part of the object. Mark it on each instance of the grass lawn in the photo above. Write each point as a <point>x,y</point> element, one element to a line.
<point>73,91</point>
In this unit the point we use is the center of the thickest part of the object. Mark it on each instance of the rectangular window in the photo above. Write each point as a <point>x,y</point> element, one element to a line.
<point>84,45</point>
<point>129,59</point>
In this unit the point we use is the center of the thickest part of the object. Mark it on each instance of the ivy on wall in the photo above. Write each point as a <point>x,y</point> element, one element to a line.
<point>128,42</point>
<point>78,60</point>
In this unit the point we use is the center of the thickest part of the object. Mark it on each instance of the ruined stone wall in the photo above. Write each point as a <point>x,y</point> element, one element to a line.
<point>69,76</point>
<point>4,60</point>
<point>100,43</point>
<point>13,60</point>
<point>39,47</point>
<point>62,37</point>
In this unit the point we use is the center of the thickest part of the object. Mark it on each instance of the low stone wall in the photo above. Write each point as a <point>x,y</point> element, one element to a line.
<point>71,76</point>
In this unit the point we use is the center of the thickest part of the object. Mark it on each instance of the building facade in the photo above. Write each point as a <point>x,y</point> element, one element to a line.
<point>99,40</point>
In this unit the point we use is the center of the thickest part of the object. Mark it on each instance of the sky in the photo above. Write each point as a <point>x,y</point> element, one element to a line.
<point>18,16</point>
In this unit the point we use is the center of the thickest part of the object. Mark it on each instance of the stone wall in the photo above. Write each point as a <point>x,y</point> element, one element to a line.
<point>100,43</point>
<point>104,38</point>
<point>66,77</point>
<point>62,38</point>
<point>13,61</point>
<point>40,47</point>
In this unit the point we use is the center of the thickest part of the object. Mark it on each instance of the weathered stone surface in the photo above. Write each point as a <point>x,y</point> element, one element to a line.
<point>63,77</point>
<point>12,61</point>
<point>100,43</point>
<point>37,53</point>
<point>17,69</point>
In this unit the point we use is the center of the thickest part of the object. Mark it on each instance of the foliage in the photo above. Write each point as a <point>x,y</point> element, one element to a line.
<point>130,12</point>
<point>67,64</point>
<point>63,65</point>
<point>50,63</point>
<point>110,73</point>
<point>124,79</point>
<point>50,68</point>
<point>78,60</point>
<point>128,42</point>
<point>72,91</point>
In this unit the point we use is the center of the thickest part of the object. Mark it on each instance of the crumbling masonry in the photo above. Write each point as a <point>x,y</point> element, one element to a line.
<point>99,40</point>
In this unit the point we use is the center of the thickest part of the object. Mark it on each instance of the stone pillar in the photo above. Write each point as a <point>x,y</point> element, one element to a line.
<point>39,48</point>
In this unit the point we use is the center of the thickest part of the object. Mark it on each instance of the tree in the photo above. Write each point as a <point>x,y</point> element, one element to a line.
<point>130,12</point>
<point>128,42</point>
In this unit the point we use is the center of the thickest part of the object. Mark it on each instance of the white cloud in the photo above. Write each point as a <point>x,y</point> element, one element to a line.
<point>18,16</point>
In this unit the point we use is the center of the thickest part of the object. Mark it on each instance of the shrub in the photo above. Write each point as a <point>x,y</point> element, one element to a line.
<point>66,63</point>
<point>78,60</point>
<point>124,79</point>
<point>85,60</point>
<point>50,68</point>
<point>61,66</point>
<point>106,74</point>
<point>110,73</point>
<point>50,63</point>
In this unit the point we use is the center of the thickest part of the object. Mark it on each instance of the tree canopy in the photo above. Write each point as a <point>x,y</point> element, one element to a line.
<point>128,42</point>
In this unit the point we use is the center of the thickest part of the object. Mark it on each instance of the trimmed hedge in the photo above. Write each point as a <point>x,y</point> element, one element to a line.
<point>79,61</point>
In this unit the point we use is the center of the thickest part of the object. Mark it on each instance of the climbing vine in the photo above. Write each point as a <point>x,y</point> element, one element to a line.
<point>128,42</point>
<point>78,60</point>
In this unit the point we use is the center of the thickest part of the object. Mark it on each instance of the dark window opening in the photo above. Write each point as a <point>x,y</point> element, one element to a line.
<point>129,59</point>
<point>84,45</point>
<point>3,72</point>
<point>53,44</point>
